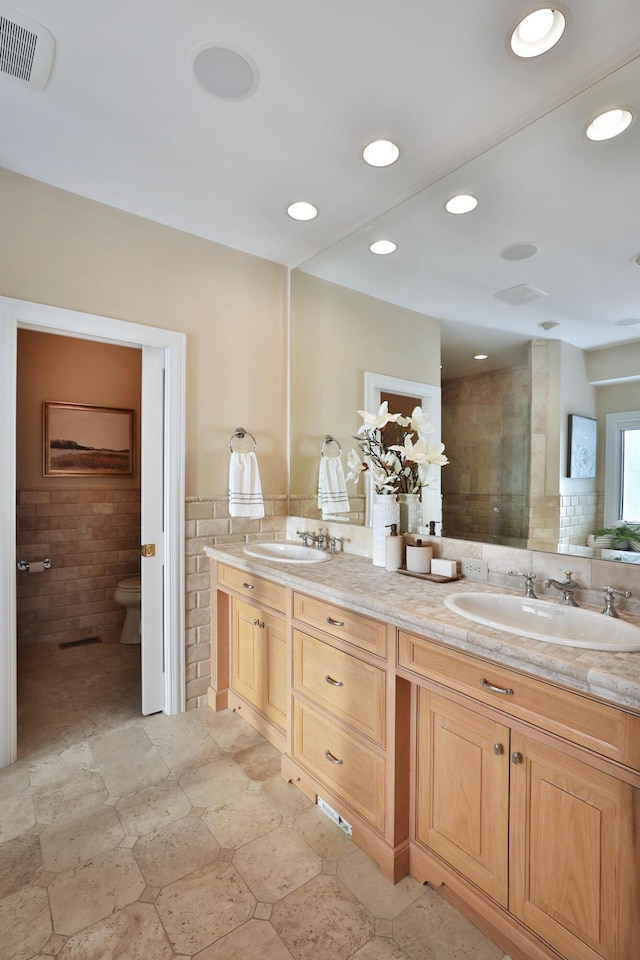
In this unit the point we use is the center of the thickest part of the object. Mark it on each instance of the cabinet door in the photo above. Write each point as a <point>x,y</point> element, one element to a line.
<point>259,660</point>
<point>462,803</point>
<point>573,850</point>
<point>275,681</point>
<point>247,671</point>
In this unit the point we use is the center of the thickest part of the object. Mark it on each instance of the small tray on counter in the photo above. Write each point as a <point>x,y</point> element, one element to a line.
<point>434,577</point>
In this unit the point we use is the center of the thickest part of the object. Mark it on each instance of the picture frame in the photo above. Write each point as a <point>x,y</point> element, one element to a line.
<point>81,440</point>
<point>581,460</point>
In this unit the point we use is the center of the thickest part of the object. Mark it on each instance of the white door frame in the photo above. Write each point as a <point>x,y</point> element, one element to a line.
<point>33,316</point>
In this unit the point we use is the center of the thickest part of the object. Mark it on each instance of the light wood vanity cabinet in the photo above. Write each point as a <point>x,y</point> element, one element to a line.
<point>251,665</point>
<point>519,797</point>
<point>548,830</point>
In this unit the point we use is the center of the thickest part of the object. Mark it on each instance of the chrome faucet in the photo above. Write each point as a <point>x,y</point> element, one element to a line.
<point>333,544</point>
<point>320,540</point>
<point>568,588</point>
<point>610,594</point>
<point>528,585</point>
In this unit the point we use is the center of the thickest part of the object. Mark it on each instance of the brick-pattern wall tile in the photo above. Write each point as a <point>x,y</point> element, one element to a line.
<point>92,538</point>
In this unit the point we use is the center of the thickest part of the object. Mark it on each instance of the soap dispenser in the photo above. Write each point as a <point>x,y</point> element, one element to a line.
<point>393,545</point>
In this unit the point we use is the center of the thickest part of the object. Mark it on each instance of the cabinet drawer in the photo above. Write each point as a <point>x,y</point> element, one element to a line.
<point>254,588</point>
<point>602,728</point>
<point>361,631</point>
<point>333,755</point>
<point>350,689</point>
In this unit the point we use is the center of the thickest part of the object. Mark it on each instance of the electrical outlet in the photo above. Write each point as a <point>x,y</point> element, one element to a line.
<point>475,569</point>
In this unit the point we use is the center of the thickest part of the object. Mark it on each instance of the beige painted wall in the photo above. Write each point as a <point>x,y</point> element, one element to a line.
<point>68,370</point>
<point>336,336</point>
<point>63,250</point>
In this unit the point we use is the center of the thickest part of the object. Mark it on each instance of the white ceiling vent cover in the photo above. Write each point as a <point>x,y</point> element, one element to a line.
<point>523,293</point>
<point>26,49</point>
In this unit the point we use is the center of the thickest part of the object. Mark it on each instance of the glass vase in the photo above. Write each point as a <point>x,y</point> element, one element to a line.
<point>385,510</point>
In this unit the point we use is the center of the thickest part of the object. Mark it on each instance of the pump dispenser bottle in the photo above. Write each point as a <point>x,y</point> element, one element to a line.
<point>393,545</point>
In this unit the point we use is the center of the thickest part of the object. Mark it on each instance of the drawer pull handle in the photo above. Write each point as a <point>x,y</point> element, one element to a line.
<point>335,623</point>
<point>332,682</point>
<point>516,758</point>
<point>259,623</point>
<point>505,691</point>
<point>249,586</point>
<point>498,749</point>
<point>330,757</point>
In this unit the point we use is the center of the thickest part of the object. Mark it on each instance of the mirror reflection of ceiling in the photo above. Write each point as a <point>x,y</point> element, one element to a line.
<point>576,201</point>
<point>122,119</point>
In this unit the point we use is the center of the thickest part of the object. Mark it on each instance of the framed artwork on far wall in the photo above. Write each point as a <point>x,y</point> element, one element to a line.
<point>582,447</point>
<point>86,441</point>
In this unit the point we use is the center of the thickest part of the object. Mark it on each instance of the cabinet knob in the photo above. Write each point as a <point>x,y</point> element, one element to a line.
<point>516,758</point>
<point>498,749</point>
<point>332,682</point>
<point>259,623</point>
<point>330,757</point>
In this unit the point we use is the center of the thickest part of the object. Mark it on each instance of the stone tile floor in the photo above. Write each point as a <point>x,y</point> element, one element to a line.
<point>167,838</point>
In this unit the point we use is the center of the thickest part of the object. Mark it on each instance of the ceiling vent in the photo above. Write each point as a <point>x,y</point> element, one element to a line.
<point>523,293</point>
<point>26,49</point>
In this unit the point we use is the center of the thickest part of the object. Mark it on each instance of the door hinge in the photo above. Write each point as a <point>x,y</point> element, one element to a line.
<point>148,550</point>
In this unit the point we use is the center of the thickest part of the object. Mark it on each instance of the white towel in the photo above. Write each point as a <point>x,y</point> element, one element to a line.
<point>332,487</point>
<point>245,489</point>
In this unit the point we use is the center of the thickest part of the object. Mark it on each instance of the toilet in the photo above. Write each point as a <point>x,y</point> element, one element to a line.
<point>128,594</point>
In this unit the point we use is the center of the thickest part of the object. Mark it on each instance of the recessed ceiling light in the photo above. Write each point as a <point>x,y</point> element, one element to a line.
<point>481,356</point>
<point>301,210</point>
<point>381,153</point>
<point>519,251</point>
<point>463,203</point>
<point>225,71</point>
<point>627,322</point>
<point>382,247</point>
<point>538,32</point>
<point>609,124</point>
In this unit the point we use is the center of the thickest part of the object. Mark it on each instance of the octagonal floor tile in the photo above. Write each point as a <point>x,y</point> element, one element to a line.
<point>68,843</point>
<point>322,919</point>
<point>203,907</point>
<point>25,923</point>
<point>276,864</point>
<point>241,819</point>
<point>213,782</point>
<point>431,929</point>
<point>172,852</point>
<point>133,933</point>
<point>257,938</point>
<point>152,808</point>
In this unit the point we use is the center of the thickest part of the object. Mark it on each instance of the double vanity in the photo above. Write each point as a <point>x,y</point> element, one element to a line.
<point>501,768</point>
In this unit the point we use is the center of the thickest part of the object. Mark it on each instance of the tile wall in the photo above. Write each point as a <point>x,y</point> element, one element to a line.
<point>92,537</point>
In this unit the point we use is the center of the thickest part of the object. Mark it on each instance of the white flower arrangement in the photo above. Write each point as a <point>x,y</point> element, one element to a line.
<point>395,468</point>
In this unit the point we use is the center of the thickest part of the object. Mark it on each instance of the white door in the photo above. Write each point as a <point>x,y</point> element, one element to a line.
<point>152,529</point>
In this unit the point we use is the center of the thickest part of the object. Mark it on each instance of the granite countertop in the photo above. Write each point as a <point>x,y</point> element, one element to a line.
<point>418,606</point>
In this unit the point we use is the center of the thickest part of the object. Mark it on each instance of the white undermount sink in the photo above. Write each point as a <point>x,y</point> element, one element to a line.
<point>285,552</point>
<point>544,620</point>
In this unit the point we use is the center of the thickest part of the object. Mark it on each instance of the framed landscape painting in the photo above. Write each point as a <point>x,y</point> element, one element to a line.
<point>86,441</point>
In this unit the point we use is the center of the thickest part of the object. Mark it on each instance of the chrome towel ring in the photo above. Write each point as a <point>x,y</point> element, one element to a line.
<point>327,440</point>
<point>240,432</point>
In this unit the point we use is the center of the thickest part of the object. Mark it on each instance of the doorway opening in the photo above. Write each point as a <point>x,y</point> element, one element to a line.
<point>162,522</point>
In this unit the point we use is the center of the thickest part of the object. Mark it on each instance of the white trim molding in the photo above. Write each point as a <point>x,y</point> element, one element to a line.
<point>15,314</point>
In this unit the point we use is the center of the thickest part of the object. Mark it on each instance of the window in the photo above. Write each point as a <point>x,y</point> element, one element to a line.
<point>622,468</point>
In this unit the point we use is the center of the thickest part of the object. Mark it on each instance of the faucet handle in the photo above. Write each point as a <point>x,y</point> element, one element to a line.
<point>333,544</point>
<point>610,591</point>
<point>610,594</point>
<point>528,579</point>
<point>305,537</point>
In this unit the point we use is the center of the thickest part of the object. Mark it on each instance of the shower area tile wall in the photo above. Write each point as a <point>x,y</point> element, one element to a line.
<point>89,527</point>
<point>486,427</point>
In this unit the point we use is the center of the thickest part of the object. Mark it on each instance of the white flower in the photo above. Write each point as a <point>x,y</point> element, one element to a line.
<point>382,481</point>
<point>420,422</point>
<point>376,421</point>
<point>355,465</point>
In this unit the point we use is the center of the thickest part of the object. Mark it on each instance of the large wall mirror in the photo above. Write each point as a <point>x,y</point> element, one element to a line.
<point>543,277</point>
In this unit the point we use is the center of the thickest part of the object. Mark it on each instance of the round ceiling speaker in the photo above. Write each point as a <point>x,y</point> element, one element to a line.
<point>224,71</point>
